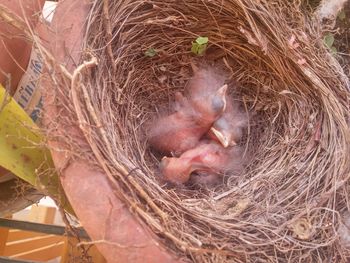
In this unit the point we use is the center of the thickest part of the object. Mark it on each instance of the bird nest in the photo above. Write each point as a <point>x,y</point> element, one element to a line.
<point>287,204</point>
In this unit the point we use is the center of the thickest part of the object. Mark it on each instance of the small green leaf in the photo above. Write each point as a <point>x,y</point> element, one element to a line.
<point>198,49</point>
<point>334,50</point>
<point>201,49</point>
<point>342,15</point>
<point>151,52</point>
<point>200,45</point>
<point>202,40</point>
<point>194,48</point>
<point>328,40</point>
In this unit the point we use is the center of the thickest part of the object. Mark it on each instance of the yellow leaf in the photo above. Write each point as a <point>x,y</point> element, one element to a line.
<point>23,150</point>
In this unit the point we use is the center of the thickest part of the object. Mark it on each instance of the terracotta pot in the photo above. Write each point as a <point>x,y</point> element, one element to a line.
<point>120,236</point>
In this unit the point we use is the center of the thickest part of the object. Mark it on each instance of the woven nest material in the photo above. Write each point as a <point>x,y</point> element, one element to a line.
<point>288,203</point>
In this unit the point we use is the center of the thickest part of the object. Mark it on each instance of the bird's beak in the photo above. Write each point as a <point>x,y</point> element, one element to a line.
<point>221,92</point>
<point>223,139</point>
<point>164,162</point>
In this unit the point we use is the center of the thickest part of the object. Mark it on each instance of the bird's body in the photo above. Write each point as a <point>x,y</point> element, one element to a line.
<point>206,111</point>
<point>176,133</point>
<point>180,131</point>
<point>205,90</point>
<point>228,128</point>
<point>208,158</point>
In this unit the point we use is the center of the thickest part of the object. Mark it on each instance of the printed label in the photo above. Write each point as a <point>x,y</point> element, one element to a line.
<point>28,95</point>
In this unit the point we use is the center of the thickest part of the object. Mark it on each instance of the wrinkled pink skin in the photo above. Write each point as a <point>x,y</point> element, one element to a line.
<point>182,130</point>
<point>228,128</point>
<point>208,158</point>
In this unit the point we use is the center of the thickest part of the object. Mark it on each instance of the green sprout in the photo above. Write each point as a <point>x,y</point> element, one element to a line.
<point>151,52</point>
<point>328,40</point>
<point>200,45</point>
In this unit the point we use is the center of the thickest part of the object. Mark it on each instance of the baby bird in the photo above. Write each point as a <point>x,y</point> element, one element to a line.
<point>208,158</point>
<point>206,90</point>
<point>182,130</point>
<point>228,129</point>
<point>206,82</point>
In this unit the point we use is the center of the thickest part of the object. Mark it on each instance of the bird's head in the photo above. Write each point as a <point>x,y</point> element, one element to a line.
<point>222,130</point>
<point>175,170</point>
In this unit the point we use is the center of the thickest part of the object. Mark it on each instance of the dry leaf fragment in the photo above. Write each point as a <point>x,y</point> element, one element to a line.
<point>302,229</point>
<point>239,207</point>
